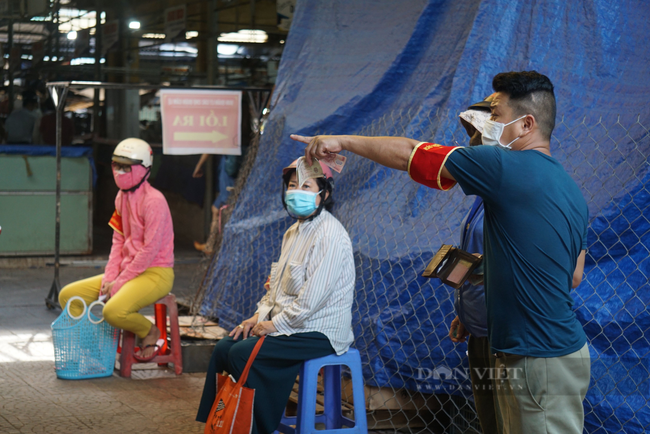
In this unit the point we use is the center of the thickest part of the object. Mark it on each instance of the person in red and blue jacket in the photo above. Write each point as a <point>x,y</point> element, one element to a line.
<point>470,324</point>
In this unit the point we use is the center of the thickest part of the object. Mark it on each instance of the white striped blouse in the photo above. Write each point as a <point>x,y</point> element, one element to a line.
<point>312,284</point>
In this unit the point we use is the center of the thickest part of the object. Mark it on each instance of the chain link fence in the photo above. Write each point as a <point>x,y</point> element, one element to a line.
<point>416,379</point>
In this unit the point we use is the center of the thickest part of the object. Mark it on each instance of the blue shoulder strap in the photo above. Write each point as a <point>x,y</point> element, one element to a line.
<point>470,217</point>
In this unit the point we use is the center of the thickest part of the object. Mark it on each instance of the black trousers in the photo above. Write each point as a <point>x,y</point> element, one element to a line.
<point>272,375</point>
<point>481,362</point>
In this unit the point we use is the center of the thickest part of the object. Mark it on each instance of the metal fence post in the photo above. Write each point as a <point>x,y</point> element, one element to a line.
<point>58,95</point>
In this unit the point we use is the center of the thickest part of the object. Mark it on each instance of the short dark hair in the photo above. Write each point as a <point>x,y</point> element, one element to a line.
<point>29,97</point>
<point>326,185</point>
<point>48,105</point>
<point>530,93</point>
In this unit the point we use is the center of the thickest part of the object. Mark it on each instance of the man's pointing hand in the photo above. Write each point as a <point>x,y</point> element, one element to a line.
<point>319,146</point>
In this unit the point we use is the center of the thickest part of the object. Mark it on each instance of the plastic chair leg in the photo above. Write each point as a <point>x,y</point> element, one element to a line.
<point>360,418</point>
<point>126,356</point>
<point>176,338</point>
<point>332,383</point>
<point>161,323</point>
<point>305,422</point>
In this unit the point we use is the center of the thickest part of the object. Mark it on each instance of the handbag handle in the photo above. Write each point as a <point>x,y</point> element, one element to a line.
<point>67,307</point>
<point>90,307</point>
<point>251,358</point>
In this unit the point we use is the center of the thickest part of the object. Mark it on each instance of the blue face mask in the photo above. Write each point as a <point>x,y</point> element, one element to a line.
<point>301,203</point>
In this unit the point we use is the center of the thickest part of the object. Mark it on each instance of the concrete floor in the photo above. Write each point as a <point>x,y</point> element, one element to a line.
<point>33,400</point>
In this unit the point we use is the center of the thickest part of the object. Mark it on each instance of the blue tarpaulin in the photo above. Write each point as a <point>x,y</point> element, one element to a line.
<point>366,66</point>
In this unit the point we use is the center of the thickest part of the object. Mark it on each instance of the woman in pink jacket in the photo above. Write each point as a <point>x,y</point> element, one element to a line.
<point>140,267</point>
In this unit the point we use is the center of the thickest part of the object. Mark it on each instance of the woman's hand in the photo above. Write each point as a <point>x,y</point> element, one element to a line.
<point>198,172</point>
<point>244,328</point>
<point>475,279</point>
<point>106,290</point>
<point>264,328</point>
<point>457,331</point>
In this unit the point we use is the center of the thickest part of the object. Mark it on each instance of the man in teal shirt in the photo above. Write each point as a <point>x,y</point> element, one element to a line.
<point>535,239</point>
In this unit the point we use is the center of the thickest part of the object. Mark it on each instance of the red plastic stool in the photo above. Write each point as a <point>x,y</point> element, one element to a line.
<point>164,307</point>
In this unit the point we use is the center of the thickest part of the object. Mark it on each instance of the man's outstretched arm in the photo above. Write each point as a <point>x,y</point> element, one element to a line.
<point>392,152</point>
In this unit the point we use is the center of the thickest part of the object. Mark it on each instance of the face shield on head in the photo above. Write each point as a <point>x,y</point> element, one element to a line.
<point>475,118</point>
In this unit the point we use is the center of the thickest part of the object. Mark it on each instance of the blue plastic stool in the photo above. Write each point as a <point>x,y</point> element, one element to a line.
<point>333,417</point>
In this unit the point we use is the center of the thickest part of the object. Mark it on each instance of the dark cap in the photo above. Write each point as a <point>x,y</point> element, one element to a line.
<point>482,105</point>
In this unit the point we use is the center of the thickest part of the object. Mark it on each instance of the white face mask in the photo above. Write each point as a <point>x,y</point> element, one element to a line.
<point>492,131</point>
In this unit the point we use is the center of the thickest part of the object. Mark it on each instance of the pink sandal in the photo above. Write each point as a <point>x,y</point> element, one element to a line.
<point>158,346</point>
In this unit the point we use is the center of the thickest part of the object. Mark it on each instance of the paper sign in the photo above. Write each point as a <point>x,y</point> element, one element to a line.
<point>201,121</point>
<point>175,23</point>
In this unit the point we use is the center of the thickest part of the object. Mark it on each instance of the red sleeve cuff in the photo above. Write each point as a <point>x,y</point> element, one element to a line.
<point>426,163</point>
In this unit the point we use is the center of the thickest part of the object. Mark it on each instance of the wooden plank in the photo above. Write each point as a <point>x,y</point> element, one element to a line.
<point>203,328</point>
<point>188,321</point>
<point>208,333</point>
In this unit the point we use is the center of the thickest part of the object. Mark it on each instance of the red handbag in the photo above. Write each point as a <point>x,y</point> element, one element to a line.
<point>232,411</point>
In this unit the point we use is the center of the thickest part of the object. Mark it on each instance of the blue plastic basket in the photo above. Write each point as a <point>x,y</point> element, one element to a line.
<point>84,346</point>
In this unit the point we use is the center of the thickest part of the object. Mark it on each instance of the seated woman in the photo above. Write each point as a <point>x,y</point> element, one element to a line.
<point>140,266</point>
<point>307,312</point>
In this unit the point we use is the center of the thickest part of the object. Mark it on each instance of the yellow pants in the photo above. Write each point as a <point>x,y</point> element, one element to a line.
<point>121,310</point>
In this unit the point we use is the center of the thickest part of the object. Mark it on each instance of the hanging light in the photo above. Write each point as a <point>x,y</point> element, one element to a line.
<point>245,36</point>
<point>227,49</point>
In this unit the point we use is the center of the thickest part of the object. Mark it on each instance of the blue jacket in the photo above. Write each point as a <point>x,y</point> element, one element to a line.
<point>470,299</point>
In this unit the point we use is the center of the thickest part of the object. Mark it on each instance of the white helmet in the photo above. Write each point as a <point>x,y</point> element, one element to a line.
<point>133,151</point>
